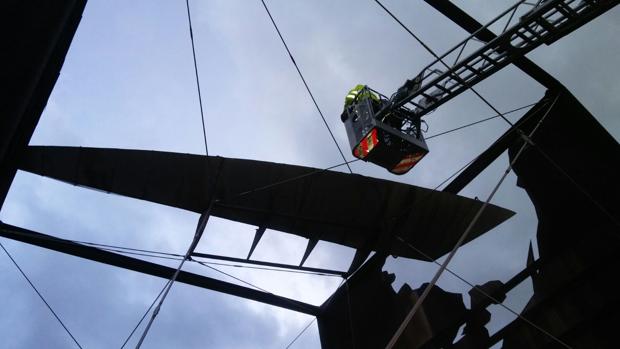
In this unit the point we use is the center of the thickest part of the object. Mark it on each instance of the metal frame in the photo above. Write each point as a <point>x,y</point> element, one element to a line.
<point>270,264</point>
<point>149,268</point>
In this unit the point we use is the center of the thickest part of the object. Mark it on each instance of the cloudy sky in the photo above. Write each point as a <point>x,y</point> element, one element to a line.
<point>128,82</point>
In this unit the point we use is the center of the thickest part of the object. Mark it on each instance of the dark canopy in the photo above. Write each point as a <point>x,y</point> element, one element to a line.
<point>352,210</point>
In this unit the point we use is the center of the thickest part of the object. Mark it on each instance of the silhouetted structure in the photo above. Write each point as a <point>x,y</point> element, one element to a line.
<point>572,178</point>
<point>570,172</point>
<point>36,38</point>
<point>365,312</point>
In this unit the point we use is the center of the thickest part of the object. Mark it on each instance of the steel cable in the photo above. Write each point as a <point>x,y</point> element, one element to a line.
<point>41,296</point>
<point>306,85</point>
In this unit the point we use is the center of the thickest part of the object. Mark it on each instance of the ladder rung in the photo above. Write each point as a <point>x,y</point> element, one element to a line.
<point>488,59</point>
<point>417,105</point>
<point>523,36</point>
<point>445,90</point>
<point>461,80</point>
<point>533,31</point>
<point>566,10</point>
<point>472,69</point>
<point>543,22</point>
<point>461,70</point>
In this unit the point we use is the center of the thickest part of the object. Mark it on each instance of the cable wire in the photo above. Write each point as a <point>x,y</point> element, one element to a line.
<point>302,332</point>
<point>479,121</point>
<point>292,179</point>
<point>234,277</point>
<point>306,85</point>
<point>202,116</point>
<point>41,296</point>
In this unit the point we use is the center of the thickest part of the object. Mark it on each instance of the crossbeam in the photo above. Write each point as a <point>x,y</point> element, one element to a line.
<point>149,268</point>
<point>270,264</point>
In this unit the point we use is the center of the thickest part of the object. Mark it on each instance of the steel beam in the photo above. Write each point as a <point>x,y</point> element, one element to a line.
<point>499,146</point>
<point>145,267</point>
<point>270,264</point>
<point>33,51</point>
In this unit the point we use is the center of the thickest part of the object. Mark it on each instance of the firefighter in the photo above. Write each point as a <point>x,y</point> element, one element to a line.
<point>355,91</point>
<point>363,93</point>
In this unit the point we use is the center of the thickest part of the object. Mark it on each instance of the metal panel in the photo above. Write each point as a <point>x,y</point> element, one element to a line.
<point>351,210</point>
<point>33,51</point>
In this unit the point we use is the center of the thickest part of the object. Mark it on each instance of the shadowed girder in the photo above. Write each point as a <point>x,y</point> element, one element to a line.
<point>149,268</point>
<point>347,209</point>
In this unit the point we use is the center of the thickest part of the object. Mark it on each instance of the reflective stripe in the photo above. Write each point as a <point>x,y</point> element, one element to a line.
<point>407,163</point>
<point>366,145</point>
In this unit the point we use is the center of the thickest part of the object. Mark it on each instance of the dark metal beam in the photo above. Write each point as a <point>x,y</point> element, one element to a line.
<point>33,52</point>
<point>171,179</point>
<point>311,245</point>
<point>257,236</point>
<point>499,146</point>
<point>465,21</point>
<point>269,264</point>
<point>118,260</point>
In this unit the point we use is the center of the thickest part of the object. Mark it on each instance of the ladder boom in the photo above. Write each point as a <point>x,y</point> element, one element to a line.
<point>545,23</point>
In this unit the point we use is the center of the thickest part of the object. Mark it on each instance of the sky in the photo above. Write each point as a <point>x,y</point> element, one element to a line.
<point>128,82</point>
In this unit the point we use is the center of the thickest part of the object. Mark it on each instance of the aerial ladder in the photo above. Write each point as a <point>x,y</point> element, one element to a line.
<point>387,131</point>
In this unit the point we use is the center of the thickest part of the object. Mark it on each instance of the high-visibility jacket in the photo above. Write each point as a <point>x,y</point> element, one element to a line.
<point>355,91</point>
